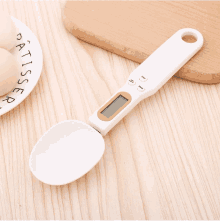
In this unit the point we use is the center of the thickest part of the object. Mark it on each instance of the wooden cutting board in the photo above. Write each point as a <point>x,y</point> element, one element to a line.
<point>135,29</point>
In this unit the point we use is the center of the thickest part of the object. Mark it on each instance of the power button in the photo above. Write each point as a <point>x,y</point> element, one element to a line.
<point>131,82</point>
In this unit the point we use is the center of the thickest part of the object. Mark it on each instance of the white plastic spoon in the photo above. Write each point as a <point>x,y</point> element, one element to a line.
<point>71,148</point>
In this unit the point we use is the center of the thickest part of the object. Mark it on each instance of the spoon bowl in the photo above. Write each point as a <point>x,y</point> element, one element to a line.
<point>66,152</point>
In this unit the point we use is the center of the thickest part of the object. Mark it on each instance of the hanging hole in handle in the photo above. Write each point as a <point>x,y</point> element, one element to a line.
<point>189,37</point>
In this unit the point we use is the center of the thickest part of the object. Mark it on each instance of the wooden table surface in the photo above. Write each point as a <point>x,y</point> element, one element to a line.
<point>161,161</point>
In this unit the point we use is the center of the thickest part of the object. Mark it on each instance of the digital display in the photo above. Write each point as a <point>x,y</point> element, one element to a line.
<point>114,106</point>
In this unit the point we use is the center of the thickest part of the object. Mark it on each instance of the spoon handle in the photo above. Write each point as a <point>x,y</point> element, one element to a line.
<point>147,79</point>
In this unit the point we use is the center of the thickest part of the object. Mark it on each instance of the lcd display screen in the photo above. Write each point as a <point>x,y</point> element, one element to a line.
<point>114,106</point>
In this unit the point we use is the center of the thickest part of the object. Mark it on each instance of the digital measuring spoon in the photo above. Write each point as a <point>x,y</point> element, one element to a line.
<point>71,148</point>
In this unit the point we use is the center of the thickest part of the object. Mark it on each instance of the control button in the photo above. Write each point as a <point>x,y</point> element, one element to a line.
<point>131,82</point>
<point>142,78</point>
<point>140,88</point>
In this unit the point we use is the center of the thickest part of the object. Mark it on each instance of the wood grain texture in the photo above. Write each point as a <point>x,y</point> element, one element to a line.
<point>135,29</point>
<point>161,161</point>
